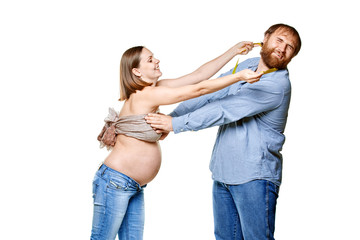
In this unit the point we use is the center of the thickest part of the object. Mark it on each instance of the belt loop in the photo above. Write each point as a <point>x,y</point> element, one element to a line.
<point>225,185</point>
<point>105,168</point>
<point>100,166</point>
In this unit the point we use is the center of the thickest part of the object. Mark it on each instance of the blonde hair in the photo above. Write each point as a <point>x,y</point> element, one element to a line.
<point>129,82</point>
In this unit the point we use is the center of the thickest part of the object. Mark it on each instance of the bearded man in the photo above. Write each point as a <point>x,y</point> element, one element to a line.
<point>246,162</point>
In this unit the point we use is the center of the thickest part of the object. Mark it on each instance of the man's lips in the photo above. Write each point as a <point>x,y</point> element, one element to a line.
<point>278,55</point>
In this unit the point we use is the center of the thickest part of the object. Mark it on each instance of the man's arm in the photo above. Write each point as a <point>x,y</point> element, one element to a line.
<point>195,103</point>
<point>249,101</point>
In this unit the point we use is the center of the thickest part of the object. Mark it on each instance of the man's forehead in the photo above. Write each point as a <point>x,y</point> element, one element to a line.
<point>285,33</point>
<point>282,31</point>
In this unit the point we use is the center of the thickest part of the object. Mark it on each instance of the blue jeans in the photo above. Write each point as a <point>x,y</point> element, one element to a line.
<point>118,206</point>
<point>245,211</point>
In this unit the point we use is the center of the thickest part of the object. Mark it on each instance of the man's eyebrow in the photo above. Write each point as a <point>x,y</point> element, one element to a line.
<point>291,45</point>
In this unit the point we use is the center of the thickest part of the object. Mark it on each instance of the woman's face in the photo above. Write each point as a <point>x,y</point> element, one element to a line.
<point>149,69</point>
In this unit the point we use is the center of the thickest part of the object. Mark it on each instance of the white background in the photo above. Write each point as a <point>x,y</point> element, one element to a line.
<point>59,63</point>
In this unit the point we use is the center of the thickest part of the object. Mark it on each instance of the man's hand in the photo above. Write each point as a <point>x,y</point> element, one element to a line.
<point>164,135</point>
<point>161,123</point>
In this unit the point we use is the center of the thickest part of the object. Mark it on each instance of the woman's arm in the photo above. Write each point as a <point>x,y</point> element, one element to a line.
<point>208,69</point>
<point>162,95</point>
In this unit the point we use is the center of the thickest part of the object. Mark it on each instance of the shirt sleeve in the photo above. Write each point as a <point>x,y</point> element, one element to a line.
<point>195,103</point>
<point>249,100</point>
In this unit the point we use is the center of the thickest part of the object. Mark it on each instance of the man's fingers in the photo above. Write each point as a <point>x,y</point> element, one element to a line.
<point>154,122</point>
<point>156,126</point>
<point>159,121</point>
<point>152,118</point>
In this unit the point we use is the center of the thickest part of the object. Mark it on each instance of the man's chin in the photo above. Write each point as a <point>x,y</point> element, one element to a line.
<point>273,61</point>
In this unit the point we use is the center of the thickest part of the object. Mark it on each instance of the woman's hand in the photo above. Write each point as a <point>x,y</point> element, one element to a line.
<point>244,47</point>
<point>249,76</point>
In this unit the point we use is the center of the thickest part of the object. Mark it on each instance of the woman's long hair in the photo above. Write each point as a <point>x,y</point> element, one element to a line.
<point>129,82</point>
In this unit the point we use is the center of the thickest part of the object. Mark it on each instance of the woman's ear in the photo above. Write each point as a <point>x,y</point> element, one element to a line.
<point>136,72</point>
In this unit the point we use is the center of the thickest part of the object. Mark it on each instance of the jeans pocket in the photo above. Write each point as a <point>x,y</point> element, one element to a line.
<point>99,195</point>
<point>95,186</point>
<point>118,184</point>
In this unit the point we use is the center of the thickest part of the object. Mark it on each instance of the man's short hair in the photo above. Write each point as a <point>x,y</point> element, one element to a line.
<point>289,29</point>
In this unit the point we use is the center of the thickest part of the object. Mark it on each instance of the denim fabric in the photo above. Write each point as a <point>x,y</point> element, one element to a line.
<point>118,206</point>
<point>245,211</point>
<point>252,119</point>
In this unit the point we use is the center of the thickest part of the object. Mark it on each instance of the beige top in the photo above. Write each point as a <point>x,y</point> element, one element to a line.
<point>132,126</point>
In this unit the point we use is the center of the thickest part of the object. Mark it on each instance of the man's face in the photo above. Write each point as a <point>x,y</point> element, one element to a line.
<point>278,49</point>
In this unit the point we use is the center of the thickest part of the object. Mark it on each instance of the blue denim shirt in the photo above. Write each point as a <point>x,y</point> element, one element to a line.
<point>252,120</point>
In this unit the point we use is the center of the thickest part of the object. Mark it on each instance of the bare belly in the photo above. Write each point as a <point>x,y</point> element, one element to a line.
<point>135,158</point>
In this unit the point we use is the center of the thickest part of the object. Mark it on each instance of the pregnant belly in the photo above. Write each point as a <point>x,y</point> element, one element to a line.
<point>139,160</point>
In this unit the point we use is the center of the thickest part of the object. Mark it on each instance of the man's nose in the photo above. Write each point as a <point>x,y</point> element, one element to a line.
<point>282,47</point>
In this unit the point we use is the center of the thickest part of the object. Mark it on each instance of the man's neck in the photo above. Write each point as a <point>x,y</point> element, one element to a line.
<point>261,66</point>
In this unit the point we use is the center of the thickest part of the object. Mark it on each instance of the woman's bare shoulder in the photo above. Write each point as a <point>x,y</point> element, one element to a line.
<point>144,101</point>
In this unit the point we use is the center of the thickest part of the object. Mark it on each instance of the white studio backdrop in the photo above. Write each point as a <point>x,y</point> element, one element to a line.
<point>59,64</point>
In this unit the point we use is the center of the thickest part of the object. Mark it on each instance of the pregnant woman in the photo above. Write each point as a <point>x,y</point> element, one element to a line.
<point>135,156</point>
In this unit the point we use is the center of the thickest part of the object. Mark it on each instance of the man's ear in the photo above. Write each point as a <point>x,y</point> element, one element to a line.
<point>136,72</point>
<point>266,38</point>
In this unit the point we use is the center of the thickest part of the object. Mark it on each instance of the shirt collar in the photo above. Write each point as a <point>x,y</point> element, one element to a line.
<point>253,63</point>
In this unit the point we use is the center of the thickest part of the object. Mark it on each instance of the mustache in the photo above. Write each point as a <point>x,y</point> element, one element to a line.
<point>271,61</point>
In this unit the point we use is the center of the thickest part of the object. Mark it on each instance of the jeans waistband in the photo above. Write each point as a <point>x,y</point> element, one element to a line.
<point>105,169</point>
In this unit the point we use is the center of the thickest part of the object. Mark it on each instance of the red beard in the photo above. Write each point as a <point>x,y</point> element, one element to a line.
<point>271,61</point>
